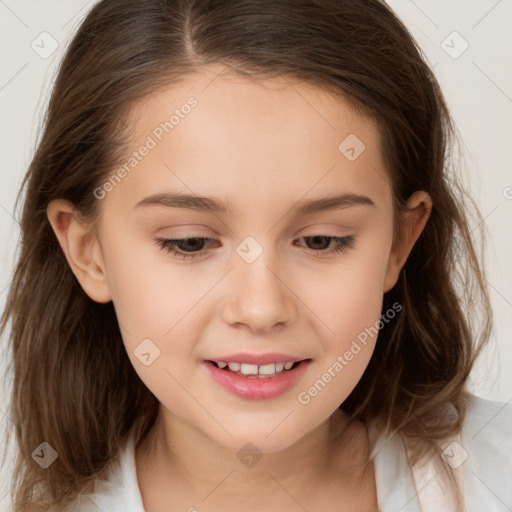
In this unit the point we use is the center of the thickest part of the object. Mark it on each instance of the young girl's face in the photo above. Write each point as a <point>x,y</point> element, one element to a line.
<point>267,287</point>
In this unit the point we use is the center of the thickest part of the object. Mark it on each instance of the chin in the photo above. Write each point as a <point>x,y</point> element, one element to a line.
<point>268,436</point>
<point>248,442</point>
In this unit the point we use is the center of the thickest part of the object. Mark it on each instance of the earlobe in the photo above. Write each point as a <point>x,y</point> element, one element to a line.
<point>81,248</point>
<point>419,207</point>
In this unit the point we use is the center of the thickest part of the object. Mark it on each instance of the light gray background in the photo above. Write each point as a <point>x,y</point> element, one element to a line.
<point>477,85</point>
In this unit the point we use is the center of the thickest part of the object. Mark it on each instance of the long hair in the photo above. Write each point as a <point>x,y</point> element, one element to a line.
<point>73,385</point>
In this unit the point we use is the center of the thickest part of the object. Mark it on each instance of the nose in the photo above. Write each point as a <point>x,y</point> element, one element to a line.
<point>261,300</point>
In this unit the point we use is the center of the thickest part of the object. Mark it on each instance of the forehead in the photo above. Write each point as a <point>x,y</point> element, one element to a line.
<point>216,132</point>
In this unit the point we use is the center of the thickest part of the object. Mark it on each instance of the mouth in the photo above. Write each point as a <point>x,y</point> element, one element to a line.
<point>263,371</point>
<point>256,382</point>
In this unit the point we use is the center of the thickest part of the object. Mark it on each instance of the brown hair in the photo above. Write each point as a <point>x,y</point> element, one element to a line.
<point>73,384</point>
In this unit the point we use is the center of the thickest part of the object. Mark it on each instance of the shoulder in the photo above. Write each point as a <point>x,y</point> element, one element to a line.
<point>487,432</point>
<point>486,452</point>
<point>118,491</point>
<point>487,435</point>
<point>486,417</point>
<point>481,456</point>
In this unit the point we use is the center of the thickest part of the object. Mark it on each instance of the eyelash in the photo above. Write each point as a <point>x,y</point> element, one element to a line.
<point>342,244</point>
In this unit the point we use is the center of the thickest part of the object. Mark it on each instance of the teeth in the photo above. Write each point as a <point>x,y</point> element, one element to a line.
<point>267,369</point>
<point>254,369</point>
<point>248,369</point>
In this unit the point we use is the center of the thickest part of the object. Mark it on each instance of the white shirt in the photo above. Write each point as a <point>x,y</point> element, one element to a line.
<point>482,456</point>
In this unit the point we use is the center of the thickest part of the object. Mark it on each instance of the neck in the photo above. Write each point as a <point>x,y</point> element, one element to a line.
<point>192,464</point>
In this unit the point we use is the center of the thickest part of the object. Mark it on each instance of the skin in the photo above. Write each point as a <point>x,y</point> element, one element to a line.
<point>262,147</point>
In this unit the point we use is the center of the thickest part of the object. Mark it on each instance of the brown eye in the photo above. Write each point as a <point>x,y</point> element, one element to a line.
<point>320,244</point>
<point>185,248</point>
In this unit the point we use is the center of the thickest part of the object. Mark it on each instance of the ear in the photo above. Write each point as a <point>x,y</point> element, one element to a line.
<point>419,207</point>
<point>81,248</point>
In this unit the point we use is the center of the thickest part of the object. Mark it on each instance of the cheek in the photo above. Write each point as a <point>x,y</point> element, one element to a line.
<point>349,302</point>
<point>150,294</point>
<point>348,297</point>
<point>154,303</point>
<point>352,310</point>
<point>157,305</point>
<point>360,297</point>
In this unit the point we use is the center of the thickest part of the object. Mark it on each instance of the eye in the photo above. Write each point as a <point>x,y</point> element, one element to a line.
<point>190,248</point>
<point>341,244</point>
<point>184,248</point>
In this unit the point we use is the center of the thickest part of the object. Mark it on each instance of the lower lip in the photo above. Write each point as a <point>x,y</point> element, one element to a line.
<point>257,388</point>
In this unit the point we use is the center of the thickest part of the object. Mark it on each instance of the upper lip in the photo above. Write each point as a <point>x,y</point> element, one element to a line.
<point>259,359</point>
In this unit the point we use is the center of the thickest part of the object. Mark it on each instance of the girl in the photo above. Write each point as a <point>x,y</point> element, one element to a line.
<point>246,280</point>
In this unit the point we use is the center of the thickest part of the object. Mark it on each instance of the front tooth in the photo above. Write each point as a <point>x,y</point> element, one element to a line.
<point>279,367</point>
<point>267,369</point>
<point>222,364</point>
<point>234,367</point>
<point>287,366</point>
<point>247,369</point>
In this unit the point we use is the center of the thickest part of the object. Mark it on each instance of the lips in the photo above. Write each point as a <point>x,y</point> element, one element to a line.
<point>257,385</point>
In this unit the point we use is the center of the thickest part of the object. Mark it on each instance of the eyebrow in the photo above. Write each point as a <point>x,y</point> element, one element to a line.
<point>204,204</point>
